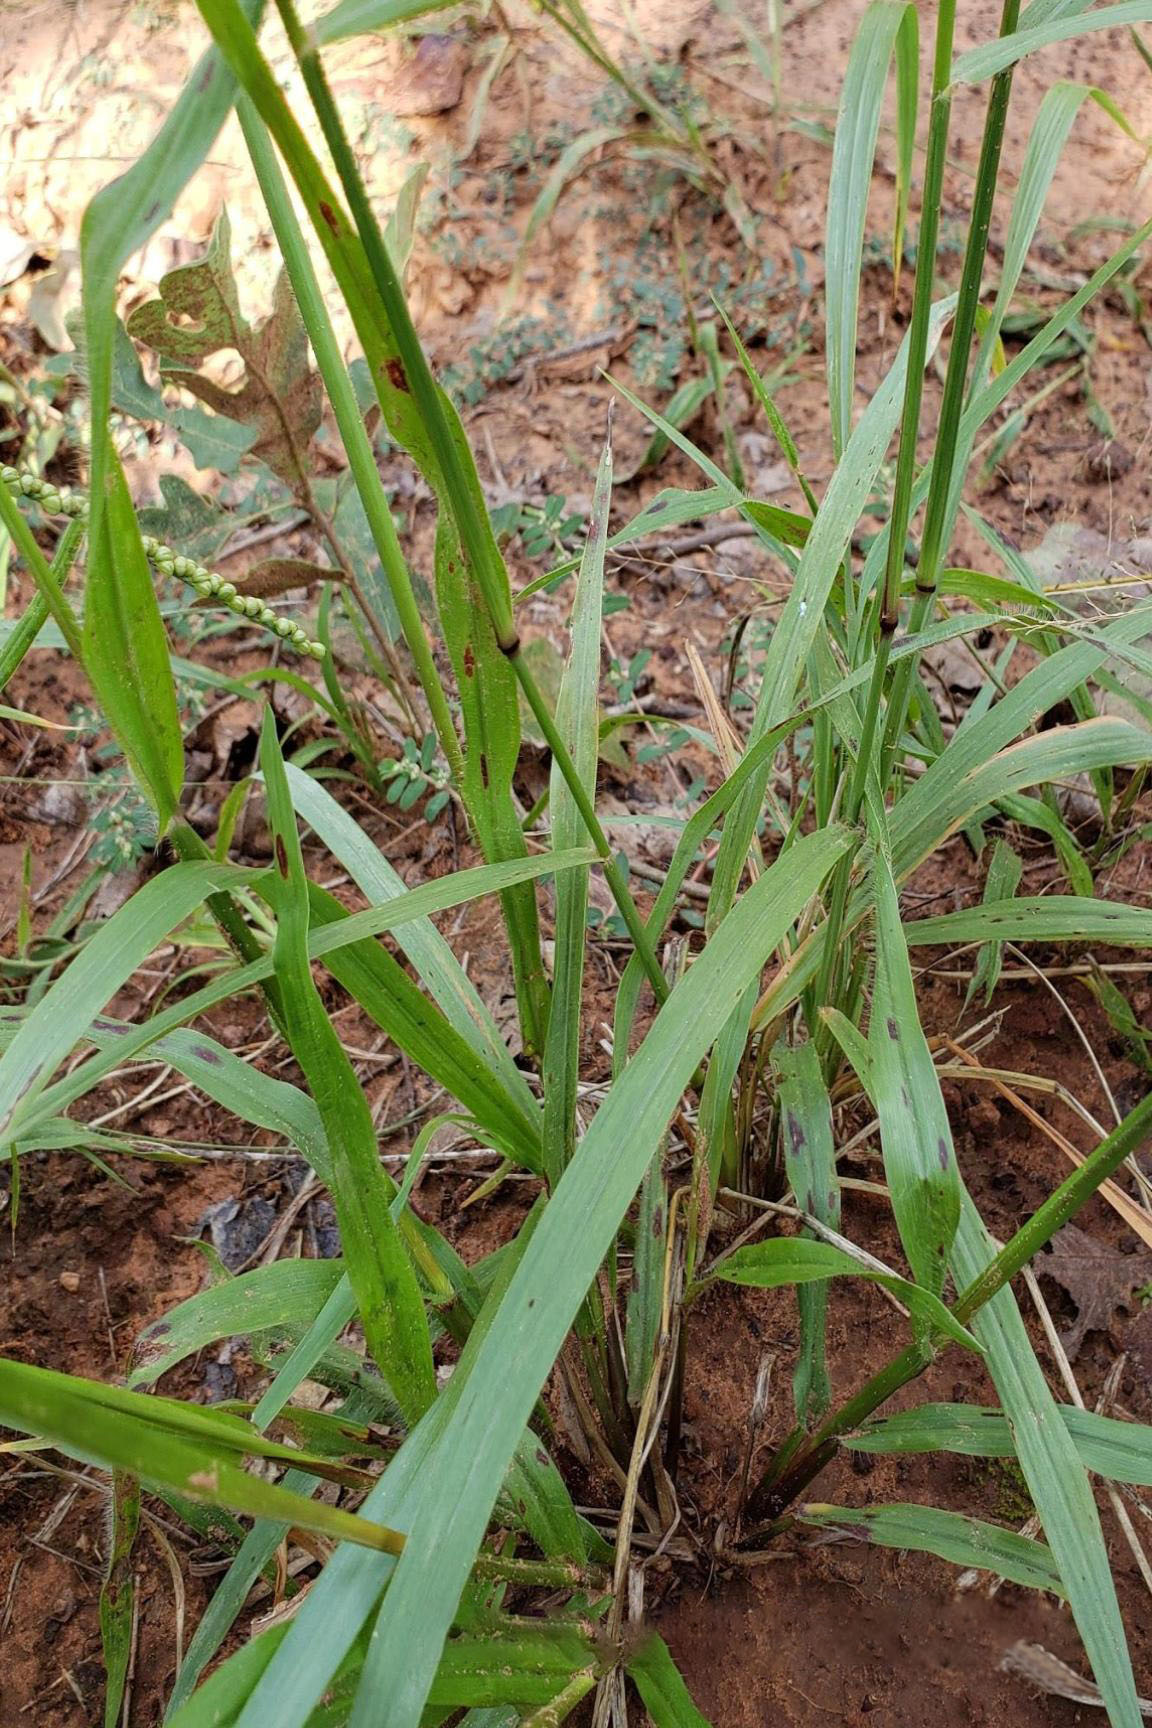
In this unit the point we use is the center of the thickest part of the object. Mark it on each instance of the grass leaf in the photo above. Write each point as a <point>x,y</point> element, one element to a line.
<point>931,1530</point>
<point>798,1260</point>
<point>387,1293</point>
<point>288,1294</point>
<point>577,720</point>
<point>919,1160</point>
<point>155,1440</point>
<point>661,1688</point>
<point>805,1112</point>
<point>1119,1451</point>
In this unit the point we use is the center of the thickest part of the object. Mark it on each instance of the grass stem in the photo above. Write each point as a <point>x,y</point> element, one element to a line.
<point>775,1492</point>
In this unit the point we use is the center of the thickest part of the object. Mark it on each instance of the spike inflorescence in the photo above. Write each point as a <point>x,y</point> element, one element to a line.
<point>209,584</point>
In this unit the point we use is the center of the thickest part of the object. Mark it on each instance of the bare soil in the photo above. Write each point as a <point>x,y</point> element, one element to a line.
<point>826,1629</point>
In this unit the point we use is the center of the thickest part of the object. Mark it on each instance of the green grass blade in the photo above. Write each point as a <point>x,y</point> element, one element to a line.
<point>125,644</point>
<point>1119,1451</point>
<point>577,719</point>
<point>810,1161</point>
<point>953,797</point>
<point>992,57</point>
<point>755,761</point>
<point>1051,918</point>
<point>101,968</point>
<point>387,1293</point>
<point>853,158</point>
<point>798,1260</point>
<point>963,1541</point>
<point>661,1687</point>
<point>536,1498</point>
<point>218,1702</point>
<point>361,17</point>
<point>354,439</point>
<point>237,1085</point>
<point>138,1434</point>
<point>286,1295</point>
<point>919,1160</point>
<point>569,162</point>
<point>907,107</point>
<point>1055,1476</point>
<point>340,932</point>
<point>1004,871</point>
<point>385,991</point>
<point>1054,120</point>
<point>996,391</point>
<point>770,411</point>
<point>803,613</point>
<point>439,969</point>
<point>646,1292</point>
<point>472,583</point>
<point>962,781</point>
<point>25,631</point>
<point>1035,813</point>
<point>118,1595</point>
<point>257,1551</point>
<point>521,1663</point>
<point>781,529</point>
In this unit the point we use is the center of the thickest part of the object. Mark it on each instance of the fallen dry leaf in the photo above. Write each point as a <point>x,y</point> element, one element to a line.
<point>1098,1278</point>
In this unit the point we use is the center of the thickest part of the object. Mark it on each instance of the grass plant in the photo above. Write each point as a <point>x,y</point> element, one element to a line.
<point>465,1585</point>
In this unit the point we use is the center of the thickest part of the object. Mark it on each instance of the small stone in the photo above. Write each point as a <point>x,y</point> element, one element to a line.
<point>430,80</point>
<point>70,1281</point>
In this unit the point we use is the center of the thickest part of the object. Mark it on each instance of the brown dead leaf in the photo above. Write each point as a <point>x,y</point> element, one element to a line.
<point>1098,1278</point>
<point>198,316</point>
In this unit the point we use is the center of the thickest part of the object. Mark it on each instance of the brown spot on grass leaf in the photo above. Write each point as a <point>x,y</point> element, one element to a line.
<point>281,856</point>
<point>796,1135</point>
<point>397,376</point>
